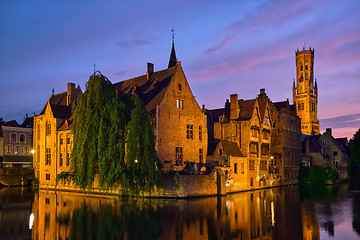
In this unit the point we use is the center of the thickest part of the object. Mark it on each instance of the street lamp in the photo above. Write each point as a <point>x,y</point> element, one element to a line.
<point>33,151</point>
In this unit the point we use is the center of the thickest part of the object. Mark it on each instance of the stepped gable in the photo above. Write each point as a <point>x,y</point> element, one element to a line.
<point>150,89</point>
<point>246,109</point>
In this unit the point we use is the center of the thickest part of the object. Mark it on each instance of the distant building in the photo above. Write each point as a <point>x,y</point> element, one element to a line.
<point>327,152</point>
<point>305,92</point>
<point>16,143</point>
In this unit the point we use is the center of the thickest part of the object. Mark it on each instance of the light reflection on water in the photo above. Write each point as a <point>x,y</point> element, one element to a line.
<point>277,213</point>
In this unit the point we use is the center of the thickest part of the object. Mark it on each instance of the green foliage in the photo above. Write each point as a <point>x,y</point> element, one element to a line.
<point>355,148</point>
<point>142,162</point>
<point>104,125</point>
<point>317,176</point>
<point>65,177</point>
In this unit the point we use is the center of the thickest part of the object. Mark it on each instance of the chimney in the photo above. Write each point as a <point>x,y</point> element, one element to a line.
<point>70,93</point>
<point>150,70</point>
<point>328,131</point>
<point>234,106</point>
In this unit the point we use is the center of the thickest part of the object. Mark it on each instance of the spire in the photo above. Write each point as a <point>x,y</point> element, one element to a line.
<point>173,60</point>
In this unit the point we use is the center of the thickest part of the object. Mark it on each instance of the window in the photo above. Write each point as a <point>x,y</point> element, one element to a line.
<point>179,104</point>
<point>179,87</point>
<point>267,121</point>
<point>200,133</point>
<point>263,165</point>
<point>334,153</point>
<point>253,148</point>
<point>264,149</point>
<point>48,178</point>
<point>13,137</point>
<point>254,133</point>
<point>201,155</point>
<point>235,168</point>
<point>220,151</point>
<point>251,184</point>
<point>38,153</point>
<point>8,149</point>
<point>266,135</point>
<point>251,164</point>
<point>48,128</point>
<point>274,124</point>
<point>26,150</point>
<point>324,143</point>
<point>38,130</point>
<point>61,159</point>
<point>67,159</point>
<point>178,156</point>
<point>306,67</point>
<point>67,139</point>
<point>61,139</point>
<point>189,131</point>
<point>17,150</point>
<point>242,168</point>
<point>47,200</point>
<point>22,138</point>
<point>48,156</point>
<point>301,68</point>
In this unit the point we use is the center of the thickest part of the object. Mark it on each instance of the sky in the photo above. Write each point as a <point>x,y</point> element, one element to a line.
<point>225,47</point>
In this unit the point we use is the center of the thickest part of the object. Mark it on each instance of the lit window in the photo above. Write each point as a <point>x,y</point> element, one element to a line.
<point>201,155</point>
<point>179,104</point>
<point>8,149</point>
<point>48,156</point>
<point>67,159</point>
<point>178,156</point>
<point>200,133</point>
<point>17,150</point>
<point>61,159</point>
<point>22,138</point>
<point>48,128</point>
<point>189,131</point>
<point>254,133</point>
<point>26,150</point>
<point>253,148</point>
<point>13,137</point>
<point>263,165</point>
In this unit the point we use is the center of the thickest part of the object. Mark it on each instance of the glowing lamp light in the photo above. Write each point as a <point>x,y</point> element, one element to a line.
<point>136,160</point>
<point>31,221</point>
<point>32,151</point>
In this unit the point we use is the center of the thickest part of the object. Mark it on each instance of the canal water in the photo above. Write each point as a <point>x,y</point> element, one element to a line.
<point>277,213</point>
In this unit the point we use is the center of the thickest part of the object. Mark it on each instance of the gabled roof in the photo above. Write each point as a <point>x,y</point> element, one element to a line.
<point>232,148</point>
<point>152,90</point>
<point>12,123</point>
<point>246,109</point>
<point>215,114</point>
<point>60,111</point>
<point>282,104</point>
<point>343,144</point>
<point>60,98</point>
<point>28,122</point>
<point>67,124</point>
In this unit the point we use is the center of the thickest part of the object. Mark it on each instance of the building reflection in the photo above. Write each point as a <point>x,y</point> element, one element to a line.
<point>250,215</point>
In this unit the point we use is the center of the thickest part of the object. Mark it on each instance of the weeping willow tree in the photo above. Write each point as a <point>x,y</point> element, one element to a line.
<point>110,133</point>
<point>142,162</point>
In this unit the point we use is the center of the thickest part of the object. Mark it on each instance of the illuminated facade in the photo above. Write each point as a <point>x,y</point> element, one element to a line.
<point>305,92</point>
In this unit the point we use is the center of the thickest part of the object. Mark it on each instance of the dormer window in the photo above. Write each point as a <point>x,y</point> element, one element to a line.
<point>179,87</point>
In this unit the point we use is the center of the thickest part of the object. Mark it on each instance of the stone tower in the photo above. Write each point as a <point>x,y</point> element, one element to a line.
<point>305,92</point>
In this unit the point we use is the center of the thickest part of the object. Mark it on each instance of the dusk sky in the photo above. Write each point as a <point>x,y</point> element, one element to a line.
<point>225,47</point>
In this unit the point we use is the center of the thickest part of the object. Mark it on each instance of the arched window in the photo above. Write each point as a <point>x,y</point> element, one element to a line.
<point>22,138</point>
<point>17,150</point>
<point>13,137</point>
<point>26,150</point>
<point>220,151</point>
<point>251,182</point>
<point>8,149</point>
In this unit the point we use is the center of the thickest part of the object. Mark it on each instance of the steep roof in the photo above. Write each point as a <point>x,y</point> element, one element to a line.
<point>215,114</point>
<point>246,109</point>
<point>151,90</point>
<point>232,148</point>
<point>60,111</point>
<point>28,122</point>
<point>12,123</point>
<point>172,60</point>
<point>279,105</point>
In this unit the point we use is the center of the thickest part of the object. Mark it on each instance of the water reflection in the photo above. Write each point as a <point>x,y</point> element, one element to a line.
<point>278,213</point>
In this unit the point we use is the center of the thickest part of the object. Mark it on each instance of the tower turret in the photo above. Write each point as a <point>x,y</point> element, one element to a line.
<point>305,92</point>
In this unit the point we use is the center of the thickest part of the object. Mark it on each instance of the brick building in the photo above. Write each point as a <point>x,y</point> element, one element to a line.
<point>179,124</point>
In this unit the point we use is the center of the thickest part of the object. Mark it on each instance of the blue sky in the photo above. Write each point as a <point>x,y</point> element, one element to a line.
<point>225,47</point>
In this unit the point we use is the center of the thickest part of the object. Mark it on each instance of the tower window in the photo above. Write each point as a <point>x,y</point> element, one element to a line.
<point>301,68</point>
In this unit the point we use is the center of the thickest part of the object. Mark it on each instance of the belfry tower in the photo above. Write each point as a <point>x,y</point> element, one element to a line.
<point>305,92</point>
